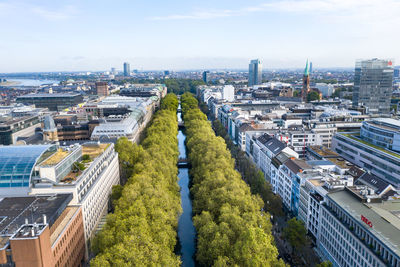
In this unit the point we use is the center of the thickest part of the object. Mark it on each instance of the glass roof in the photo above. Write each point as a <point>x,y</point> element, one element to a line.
<point>17,162</point>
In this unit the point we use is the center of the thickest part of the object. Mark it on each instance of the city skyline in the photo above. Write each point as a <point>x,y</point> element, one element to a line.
<point>178,35</point>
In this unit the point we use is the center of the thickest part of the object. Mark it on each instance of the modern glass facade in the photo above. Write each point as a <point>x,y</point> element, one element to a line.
<point>255,72</point>
<point>379,161</point>
<point>17,163</point>
<point>382,132</point>
<point>373,85</point>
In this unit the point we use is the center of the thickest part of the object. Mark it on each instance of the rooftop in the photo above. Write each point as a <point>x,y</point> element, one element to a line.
<point>49,95</point>
<point>323,151</point>
<point>56,158</point>
<point>94,150</point>
<point>17,163</point>
<point>356,137</point>
<point>15,210</point>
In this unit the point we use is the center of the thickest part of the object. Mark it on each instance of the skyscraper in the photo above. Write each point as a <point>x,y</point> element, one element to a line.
<point>306,82</point>
<point>255,72</point>
<point>206,76</point>
<point>373,80</point>
<point>127,69</point>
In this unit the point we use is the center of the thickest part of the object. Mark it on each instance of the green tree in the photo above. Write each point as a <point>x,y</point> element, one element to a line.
<point>232,228</point>
<point>324,264</point>
<point>313,95</point>
<point>295,233</point>
<point>142,229</point>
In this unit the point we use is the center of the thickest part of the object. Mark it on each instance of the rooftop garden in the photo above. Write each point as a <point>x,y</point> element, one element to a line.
<point>358,139</point>
<point>56,157</point>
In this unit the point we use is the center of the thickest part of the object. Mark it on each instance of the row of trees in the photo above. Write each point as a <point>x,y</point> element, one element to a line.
<point>231,225</point>
<point>251,174</point>
<point>142,229</point>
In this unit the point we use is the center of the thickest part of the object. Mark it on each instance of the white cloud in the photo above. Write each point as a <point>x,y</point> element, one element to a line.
<point>59,14</point>
<point>368,11</point>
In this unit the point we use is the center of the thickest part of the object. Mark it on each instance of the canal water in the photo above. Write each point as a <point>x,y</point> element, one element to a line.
<point>186,230</point>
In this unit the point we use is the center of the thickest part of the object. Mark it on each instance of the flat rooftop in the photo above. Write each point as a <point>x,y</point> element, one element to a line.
<point>356,137</point>
<point>385,216</point>
<point>49,95</point>
<point>56,158</point>
<point>323,151</point>
<point>94,150</point>
<point>15,210</point>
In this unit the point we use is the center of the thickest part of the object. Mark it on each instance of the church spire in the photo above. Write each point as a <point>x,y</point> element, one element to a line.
<point>307,69</point>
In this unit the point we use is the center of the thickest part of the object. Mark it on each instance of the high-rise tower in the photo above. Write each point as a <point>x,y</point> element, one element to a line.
<point>373,80</point>
<point>255,72</point>
<point>127,69</point>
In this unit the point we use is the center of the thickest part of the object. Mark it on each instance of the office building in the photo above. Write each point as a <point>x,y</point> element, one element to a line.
<point>206,76</point>
<point>373,148</point>
<point>54,102</point>
<point>383,132</point>
<point>18,129</point>
<point>67,128</point>
<point>41,231</point>
<point>255,72</point>
<point>359,228</point>
<point>373,85</point>
<point>114,71</point>
<point>49,169</point>
<point>144,90</point>
<point>127,69</point>
<point>102,88</point>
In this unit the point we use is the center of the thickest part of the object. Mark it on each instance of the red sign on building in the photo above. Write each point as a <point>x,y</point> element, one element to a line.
<point>365,220</point>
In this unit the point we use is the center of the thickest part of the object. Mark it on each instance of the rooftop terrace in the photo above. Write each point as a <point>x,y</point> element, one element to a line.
<point>356,137</point>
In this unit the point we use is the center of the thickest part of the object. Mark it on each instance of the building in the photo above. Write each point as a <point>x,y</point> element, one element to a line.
<point>368,149</point>
<point>306,83</point>
<point>255,72</point>
<point>206,76</point>
<point>121,116</point>
<point>127,69</point>
<point>41,231</point>
<point>86,171</point>
<point>144,90</point>
<point>54,102</point>
<point>17,129</point>
<point>373,85</point>
<point>383,132</point>
<point>359,228</point>
<point>326,89</point>
<point>67,128</point>
<point>102,88</point>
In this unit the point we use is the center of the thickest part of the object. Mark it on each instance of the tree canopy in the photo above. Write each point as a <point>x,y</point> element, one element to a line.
<point>142,229</point>
<point>311,96</point>
<point>295,233</point>
<point>232,228</point>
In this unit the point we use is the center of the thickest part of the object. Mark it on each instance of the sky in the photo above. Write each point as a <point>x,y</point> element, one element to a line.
<point>95,35</point>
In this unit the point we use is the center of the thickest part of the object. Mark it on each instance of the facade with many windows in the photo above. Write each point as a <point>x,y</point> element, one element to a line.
<point>379,161</point>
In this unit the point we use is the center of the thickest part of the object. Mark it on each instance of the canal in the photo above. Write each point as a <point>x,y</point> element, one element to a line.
<point>186,230</point>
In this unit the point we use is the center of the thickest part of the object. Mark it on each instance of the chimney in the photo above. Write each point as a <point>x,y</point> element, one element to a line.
<point>26,221</point>
<point>44,219</point>
<point>33,232</point>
